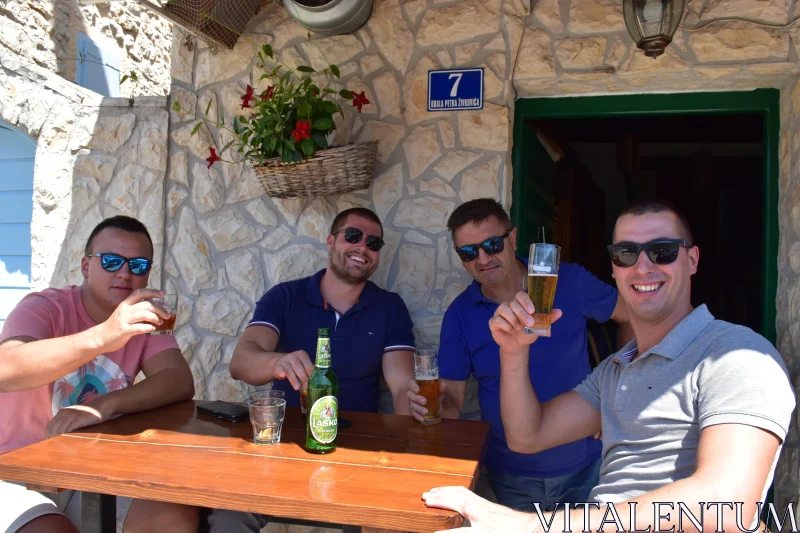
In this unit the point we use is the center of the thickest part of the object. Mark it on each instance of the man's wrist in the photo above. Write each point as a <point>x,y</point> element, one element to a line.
<point>107,405</point>
<point>96,338</point>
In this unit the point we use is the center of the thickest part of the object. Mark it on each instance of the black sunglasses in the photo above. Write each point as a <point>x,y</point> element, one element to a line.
<point>112,262</point>
<point>353,236</point>
<point>491,246</point>
<point>659,251</point>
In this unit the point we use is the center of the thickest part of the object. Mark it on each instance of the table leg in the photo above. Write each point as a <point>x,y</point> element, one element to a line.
<point>98,513</point>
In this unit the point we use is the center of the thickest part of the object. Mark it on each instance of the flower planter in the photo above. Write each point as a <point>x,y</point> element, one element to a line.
<point>332,18</point>
<point>332,171</point>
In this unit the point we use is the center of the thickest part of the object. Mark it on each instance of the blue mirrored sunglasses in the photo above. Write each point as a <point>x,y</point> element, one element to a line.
<point>112,262</point>
<point>491,246</point>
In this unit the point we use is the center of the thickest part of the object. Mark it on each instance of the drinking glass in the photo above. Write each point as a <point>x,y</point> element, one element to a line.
<point>426,372</point>
<point>271,393</point>
<point>541,284</point>
<point>266,416</point>
<point>170,303</point>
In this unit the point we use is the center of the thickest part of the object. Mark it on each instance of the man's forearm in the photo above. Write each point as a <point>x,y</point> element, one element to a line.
<point>33,364</point>
<point>254,366</point>
<point>521,425</point>
<point>400,401</point>
<point>166,387</point>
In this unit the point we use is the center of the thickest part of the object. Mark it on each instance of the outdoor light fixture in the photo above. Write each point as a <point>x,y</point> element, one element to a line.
<point>652,23</point>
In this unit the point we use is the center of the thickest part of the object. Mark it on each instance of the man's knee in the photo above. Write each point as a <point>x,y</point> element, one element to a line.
<point>145,516</point>
<point>225,521</point>
<point>50,523</point>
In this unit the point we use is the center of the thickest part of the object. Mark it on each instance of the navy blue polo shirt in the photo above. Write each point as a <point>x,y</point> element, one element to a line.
<point>557,365</point>
<point>379,323</point>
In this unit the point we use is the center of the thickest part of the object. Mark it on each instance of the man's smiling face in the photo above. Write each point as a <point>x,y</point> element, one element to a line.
<point>354,263</point>
<point>652,291</point>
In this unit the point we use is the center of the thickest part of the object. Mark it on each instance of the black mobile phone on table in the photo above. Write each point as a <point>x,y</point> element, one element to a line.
<point>225,410</point>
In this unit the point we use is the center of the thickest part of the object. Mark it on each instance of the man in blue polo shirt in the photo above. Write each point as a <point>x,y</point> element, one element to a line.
<point>370,334</point>
<point>486,243</point>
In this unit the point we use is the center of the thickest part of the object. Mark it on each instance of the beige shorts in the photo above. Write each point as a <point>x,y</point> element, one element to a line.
<point>18,505</point>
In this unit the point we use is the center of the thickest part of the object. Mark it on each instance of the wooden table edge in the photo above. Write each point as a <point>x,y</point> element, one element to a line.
<point>338,513</point>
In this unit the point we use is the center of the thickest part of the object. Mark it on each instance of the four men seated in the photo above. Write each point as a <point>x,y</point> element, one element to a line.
<point>683,388</point>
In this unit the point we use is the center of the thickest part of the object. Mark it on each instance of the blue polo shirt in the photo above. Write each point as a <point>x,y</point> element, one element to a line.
<point>557,365</point>
<point>379,323</point>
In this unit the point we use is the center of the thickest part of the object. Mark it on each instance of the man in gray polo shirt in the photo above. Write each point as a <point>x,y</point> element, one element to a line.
<point>692,410</point>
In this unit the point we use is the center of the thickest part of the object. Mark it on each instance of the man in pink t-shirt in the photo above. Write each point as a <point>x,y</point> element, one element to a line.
<point>68,358</point>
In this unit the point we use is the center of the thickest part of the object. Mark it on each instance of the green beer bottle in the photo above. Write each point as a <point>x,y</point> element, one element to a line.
<point>323,404</point>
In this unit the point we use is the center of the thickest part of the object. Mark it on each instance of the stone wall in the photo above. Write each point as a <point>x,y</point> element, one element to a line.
<point>95,157</point>
<point>572,47</point>
<point>46,33</point>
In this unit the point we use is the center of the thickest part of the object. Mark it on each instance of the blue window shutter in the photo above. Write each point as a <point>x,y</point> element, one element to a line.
<point>97,68</point>
<point>17,152</point>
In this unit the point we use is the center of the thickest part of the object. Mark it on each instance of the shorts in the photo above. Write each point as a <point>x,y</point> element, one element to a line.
<point>18,505</point>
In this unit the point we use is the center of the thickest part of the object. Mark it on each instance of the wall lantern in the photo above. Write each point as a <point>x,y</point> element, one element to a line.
<point>652,23</point>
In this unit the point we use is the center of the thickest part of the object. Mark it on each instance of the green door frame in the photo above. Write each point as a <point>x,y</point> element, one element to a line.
<point>761,101</point>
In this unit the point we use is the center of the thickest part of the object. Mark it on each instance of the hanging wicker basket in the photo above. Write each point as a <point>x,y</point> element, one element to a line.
<point>331,171</point>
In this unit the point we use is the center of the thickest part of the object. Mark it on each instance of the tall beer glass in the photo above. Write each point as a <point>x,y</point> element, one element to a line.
<point>542,280</point>
<point>426,372</point>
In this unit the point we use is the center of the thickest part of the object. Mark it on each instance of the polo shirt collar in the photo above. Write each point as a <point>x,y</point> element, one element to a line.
<point>314,293</point>
<point>676,341</point>
<point>476,293</point>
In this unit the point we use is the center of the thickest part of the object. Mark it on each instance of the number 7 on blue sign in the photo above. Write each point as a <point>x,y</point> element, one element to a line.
<point>453,90</point>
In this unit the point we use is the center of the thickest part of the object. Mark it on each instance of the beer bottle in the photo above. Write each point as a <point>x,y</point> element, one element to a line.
<point>323,404</point>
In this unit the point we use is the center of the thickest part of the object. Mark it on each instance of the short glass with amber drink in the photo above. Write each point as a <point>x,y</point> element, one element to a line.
<point>426,372</point>
<point>170,303</point>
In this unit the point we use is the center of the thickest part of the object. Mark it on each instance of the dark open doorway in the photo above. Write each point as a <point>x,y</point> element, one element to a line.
<point>578,161</point>
<point>710,167</point>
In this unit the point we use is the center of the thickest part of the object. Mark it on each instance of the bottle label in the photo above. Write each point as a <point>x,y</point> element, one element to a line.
<point>324,418</point>
<point>323,353</point>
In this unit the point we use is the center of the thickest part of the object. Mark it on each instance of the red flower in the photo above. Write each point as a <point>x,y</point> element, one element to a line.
<point>267,94</point>
<point>302,131</point>
<point>213,158</point>
<point>359,100</point>
<point>248,97</point>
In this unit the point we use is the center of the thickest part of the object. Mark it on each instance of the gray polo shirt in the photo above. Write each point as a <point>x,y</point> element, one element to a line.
<point>704,372</point>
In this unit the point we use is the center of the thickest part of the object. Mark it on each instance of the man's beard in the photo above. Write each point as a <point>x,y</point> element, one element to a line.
<point>339,269</point>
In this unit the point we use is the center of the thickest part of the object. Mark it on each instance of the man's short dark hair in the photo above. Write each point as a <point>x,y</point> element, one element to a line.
<point>476,211</point>
<point>362,212</point>
<point>644,207</point>
<point>122,222</point>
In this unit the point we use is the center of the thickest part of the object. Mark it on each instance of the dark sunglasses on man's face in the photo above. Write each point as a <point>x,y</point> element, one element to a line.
<point>112,262</point>
<point>492,246</point>
<point>659,251</point>
<point>353,236</point>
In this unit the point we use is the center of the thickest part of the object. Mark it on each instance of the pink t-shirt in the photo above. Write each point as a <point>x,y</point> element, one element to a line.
<point>53,313</point>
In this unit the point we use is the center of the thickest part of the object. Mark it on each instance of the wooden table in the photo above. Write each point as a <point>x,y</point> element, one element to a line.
<point>375,478</point>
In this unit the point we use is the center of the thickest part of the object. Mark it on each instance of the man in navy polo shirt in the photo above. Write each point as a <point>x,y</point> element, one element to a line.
<point>370,327</point>
<point>370,334</point>
<point>558,364</point>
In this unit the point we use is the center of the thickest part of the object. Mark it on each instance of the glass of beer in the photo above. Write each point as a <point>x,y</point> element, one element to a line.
<point>542,280</point>
<point>426,372</point>
<point>170,303</point>
<point>304,399</point>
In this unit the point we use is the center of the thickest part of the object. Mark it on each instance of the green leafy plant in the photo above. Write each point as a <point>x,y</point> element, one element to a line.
<point>290,119</point>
